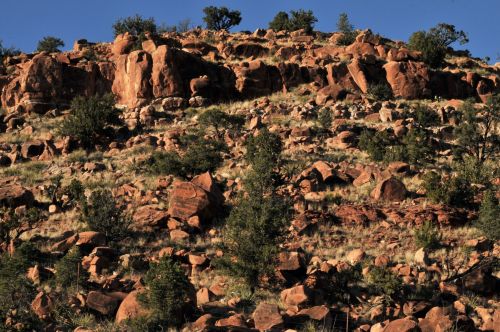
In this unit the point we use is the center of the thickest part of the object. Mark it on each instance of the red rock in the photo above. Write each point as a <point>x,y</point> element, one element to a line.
<point>32,149</point>
<point>389,189</point>
<point>407,79</point>
<point>236,320</point>
<point>330,92</point>
<point>199,197</point>
<point>42,305</point>
<point>13,194</point>
<point>132,84</point>
<point>357,73</point>
<point>123,44</point>
<point>102,303</point>
<point>130,308</point>
<point>318,313</point>
<point>402,325</point>
<point>203,296</point>
<point>296,296</point>
<point>267,317</point>
<point>178,234</point>
<point>91,239</point>
<point>203,323</point>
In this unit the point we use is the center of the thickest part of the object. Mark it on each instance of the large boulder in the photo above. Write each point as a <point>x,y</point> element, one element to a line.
<point>389,189</point>
<point>12,194</point>
<point>102,303</point>
<point>201,197</point>
<point>42,305</point>
<point>130,308</point>
<point>402,325</point>
<point>408,80</point>
<point>123,44</point>
<point>330,92</point>
<point>255,79</point>
<point>267,317</point>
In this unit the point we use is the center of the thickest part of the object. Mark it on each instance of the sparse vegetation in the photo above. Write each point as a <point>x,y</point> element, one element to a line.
<point>169,291</point>
<point>427,236</point>
<point>136,26</point>
<point>380,91</point>
<point>453,191</point>
<point>50,44</point>
<point>89,118</point>
<point>102,214</point>
<point>382,281</point>
<point>297,20</point>
<point>489,216</point>
<point>347,29</point>
<point>221,18</point>
<point>69,270</point>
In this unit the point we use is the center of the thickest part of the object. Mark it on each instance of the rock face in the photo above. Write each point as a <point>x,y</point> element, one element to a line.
<point>167,72</point>
<point>45,82</point>
<point>389,189</point>
<point>42,305</point>
<point>408,79</point>
<point>201,197</point>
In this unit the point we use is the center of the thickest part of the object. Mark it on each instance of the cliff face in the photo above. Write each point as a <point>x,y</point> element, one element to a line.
<point>238,66</point>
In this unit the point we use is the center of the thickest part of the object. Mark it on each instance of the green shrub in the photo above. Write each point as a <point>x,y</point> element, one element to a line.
<point>221,18</point>
<point>434,43</point>
<point>476,135</point>
<point>433,53</point>
<point>165,163</point>
<point>454,191</point>
<point>102,214</point>
<point>297,20</point>
<point>169,290</point>
<point>382,281</point>
<point>380,91</point>
<point>69,270</point>
<point>416,146</point>
<point>475,171</point>
<point>89,118</point>
<point>135,26</point>
<point>203,156</point>
<point>218,121</point>
<point>325,119</point>
<point>5,52</point>
<point>425,117</point>
<point>374,143</point>
<point>75,191</point>
<point>253,232</point>
<point>427,236</point>
<point>16,291</point>
<point>348,34</point>
<point>489,216</point>
<point>50,44</point>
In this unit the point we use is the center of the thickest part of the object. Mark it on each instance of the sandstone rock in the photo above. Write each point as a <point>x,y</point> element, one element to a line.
<point>296,296</point>
<point>123,44</point>
<point>42,305</point>
<point>102,303</point>
<point>267,317</point>
<point>389,189</point>
<point>330,92</point>
<point>233,321</point>
<point>32,149</point>
<point>402,325</point>
<point>203,296</point>
<point>421,257</point>
<point>407,79</point>
<point>13,194</point>
<point>355,256</point>
<point>199,197</point>
<point>130,308</point>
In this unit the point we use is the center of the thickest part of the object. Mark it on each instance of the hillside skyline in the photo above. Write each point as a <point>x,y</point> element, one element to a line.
<point>69,22</point>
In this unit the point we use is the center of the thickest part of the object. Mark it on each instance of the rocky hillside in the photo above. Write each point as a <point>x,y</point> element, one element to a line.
<point>386,171</point>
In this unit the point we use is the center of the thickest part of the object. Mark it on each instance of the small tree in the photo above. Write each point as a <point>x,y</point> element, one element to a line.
<point>221,18</point>
<point>325,119</point>
<point>446,34</point>
<point>476,134</point>
<point>89,117</point>
<point>219,120</point>
<point>280,22</point>
<point>135,25</point>
<point>454,191</point>
<point>5,52</point>
<point>427,236</point>
<point>298,19</point>
<point>69,270</point>
<point>256,225</point>
<point>102,214</point>
<point>384,282</point>
<point>489,216</point>
<point>50,44</point>
<point>347,29</point>
<point>168,291</point>
<point>380,91</point>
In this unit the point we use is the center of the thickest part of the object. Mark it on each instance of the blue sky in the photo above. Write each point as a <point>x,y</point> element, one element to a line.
<point>24,22</point>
